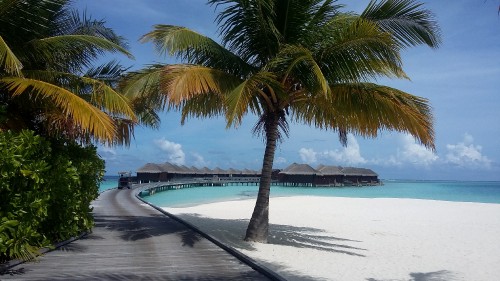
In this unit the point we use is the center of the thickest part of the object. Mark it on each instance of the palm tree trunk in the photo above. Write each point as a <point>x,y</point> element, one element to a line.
<point>258,228</point>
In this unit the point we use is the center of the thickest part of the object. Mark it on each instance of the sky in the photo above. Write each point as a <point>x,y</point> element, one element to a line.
<point>461,79</point>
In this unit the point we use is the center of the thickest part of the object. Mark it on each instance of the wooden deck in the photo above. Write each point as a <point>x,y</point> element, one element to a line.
<point>133,241</point>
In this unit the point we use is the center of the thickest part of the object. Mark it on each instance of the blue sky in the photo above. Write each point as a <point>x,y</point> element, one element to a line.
<point>461,79</point>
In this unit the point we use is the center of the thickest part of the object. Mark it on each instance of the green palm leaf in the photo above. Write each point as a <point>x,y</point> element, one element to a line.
<point>144,83</point>
<point>253,94</point>
<point>73,51</point>
<point>358,50</point>
<point>299,65</point>
<point>248,30</point>
<point>366,109</point>
<point>8,60</point>
<point>406,21</point>
<point>194,48</point>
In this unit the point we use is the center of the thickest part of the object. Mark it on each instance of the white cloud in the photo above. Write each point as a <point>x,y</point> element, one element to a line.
<point>175,155</point>
<point>415,153</point>
<point>308,155</point>
<point>280,160</point>
<point>466,154</point>
<point>107,153</point>
<point>198,160</point>
<point>350,155</point>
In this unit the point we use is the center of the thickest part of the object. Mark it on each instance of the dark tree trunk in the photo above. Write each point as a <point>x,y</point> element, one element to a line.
<point>258,228</point>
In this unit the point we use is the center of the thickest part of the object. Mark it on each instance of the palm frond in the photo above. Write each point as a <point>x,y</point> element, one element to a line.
<point>358,51</point>
<point>299,69</point>
<point>366,108</point>
<point>194,48</point>
<point>109,100</point>
<point>259,128</point>
<point>110,72</point>
<point>124,131</point>
<point>100,93</point>
<point>146,114</point>
<point>406,20</point>
<point>205,105</point>
<point>182,82</point>
<point>144,83</point>
<point>25,20</point>
<point>298,20</point>
<point>73,51</point>
<point>248,30</point>
<point>8,60</point>
<point>72,23</point>
<point>91,120</point>
<point>262,85</point>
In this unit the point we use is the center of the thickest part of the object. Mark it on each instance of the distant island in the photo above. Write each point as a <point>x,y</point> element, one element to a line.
<point>293,175</point>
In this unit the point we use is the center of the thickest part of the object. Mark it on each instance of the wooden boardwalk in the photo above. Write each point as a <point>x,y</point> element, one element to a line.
<point>133,241</point>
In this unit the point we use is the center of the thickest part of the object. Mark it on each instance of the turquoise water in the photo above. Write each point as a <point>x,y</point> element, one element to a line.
<point>483,192</point>
<point>108,183</point>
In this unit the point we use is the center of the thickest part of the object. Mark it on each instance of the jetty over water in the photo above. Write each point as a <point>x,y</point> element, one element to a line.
<point>134,241</point>
<point>151,188</point>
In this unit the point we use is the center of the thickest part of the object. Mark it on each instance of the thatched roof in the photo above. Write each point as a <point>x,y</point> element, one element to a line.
<point>330,170</point>
<point>299,169</point>
<point>352,171</point>
<point>291,166</point>
<point>233,171</point>
<point>196,170</point>
<point>150,168</point>
<point>218,171</point>
<point>206,170</point>
<point>185,170</point>
<point>324,170</point>
<point>247,172</point>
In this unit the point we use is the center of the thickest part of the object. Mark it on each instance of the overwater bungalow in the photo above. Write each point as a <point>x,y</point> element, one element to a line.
<point>298,175</point>
<point>329,176</point>
<point>151,173</point>
<point>293,175</point>
<point>305,175</point>
<point>359,176</point>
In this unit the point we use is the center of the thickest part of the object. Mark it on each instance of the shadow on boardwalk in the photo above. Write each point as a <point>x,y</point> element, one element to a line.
<point>134,228</point>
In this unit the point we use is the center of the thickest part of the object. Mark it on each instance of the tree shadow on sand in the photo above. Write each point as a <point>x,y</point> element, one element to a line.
<point>231,232</point>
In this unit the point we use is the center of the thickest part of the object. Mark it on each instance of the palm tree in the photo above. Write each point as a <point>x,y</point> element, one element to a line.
<point>300,61</point>
<point>47,80</point>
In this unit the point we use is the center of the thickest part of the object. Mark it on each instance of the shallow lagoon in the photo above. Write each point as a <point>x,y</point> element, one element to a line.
<point>483,192</point>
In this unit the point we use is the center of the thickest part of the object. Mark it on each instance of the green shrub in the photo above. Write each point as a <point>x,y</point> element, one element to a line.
<point>46,189</point>
<point>23,174</point>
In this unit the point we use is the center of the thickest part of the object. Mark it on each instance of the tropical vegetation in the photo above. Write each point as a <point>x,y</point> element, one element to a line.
<point>301,61</point>
<point>48,81</point>
<point>46,189</point>
<point>55,102</point>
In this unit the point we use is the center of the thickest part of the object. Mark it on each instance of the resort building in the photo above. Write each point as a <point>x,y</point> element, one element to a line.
<point>303,174</point>
<point>165,172</point>
<point>293,175</point>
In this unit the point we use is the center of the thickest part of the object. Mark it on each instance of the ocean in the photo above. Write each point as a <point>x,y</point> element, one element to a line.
<point>108,183</point>
<point>482,192</point>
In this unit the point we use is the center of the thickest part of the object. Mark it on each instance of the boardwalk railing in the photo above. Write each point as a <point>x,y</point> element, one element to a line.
<point>148,189</point>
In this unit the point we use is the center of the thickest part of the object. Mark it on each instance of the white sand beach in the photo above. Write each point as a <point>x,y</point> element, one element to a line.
<point>318,238</point>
